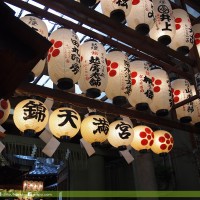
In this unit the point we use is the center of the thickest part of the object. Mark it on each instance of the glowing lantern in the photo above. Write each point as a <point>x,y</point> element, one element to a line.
<point>64,122</point>
<point>117,10</point>
<point>30,115</point>
<point>4,110</point>
<point>164,28</point>
<point>120,134</point>
<point>142,91</point>
<point>64,58</point>
<point>38,25</point>
<point>141,16</point>
<point>181,90</point>
<point>162,90</point>
<point>143,138</point>
<point>119,79</point>
<point>94,128</point>
<point>196,113</point>
<point>196,30</point>
<point>88,3</point>
<point>163,142</point>
<point>183,39</point>
<point>93,68</point>
<point>32,185</point>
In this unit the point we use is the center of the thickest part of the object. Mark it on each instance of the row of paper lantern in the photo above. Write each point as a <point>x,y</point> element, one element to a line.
<point>32,115</point>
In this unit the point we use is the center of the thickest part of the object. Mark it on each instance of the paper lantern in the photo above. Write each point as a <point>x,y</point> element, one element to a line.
<point>183,39</point>
<point>164,28</point>
<point>142,90</point>
<point>196,113</point>
<point>4,110</point>
<point>39,26</point>
<point>181,90</point>
<point>141,17</point>
<point>119,78</point>
<point>143,138</point>
<point>163,142</point>
<point>120,134</point>
<point>29,185</point>
<point>30,115</point>
<point>162,90</point>
<point>196,30</point>
<point>117,10</point>
<point>64,58</point>
<point>94,128</point>
<point>64,122</point>
<point>88,3</point>
<point>93,68</point>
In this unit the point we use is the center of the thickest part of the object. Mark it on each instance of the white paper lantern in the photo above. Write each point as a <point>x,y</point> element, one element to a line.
<point>164,28</point>
<point>183,39</point>
<point>120,134</point>
<point>142,90</point>
<point>141,17</point>
<point>94,128</point>
<point>4,110</point>
<point>39,26</point>
<point>117,10</point>
<point>196,113</point>
<point>163,142</point>
<point>64,58</point>
<point>64,122</point>
<point>181,90</point>
<point>196,30</point>
<point>162,90</point>
<point>119,78</point>
<point>30,115</point>
<point>88,3</point>
<point>94,76</point>
<point>143,138</point>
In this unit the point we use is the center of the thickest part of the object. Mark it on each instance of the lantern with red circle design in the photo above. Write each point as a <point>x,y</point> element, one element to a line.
<point>141,80</point>
<point>196,30</point>
<point>4,110</point>
<point>141,17</point>
<point>39,26</point>
<point>120,134</point>
<point>163,142</point>
<point>94,76</point>
<point>181,90</point>
<point>162,90</point>
<point>94,129</point>
<point>117,10</point>
<point>163,30</point>
<point>196,113</point>
<point>143,138</point>
<point>183,39</point>
<point>88,3</point>
<point>119,79</point>
<point>64,58</point>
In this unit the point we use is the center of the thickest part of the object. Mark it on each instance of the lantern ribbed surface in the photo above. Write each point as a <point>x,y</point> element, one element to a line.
<point>163,142</point>
<point>64,122</point>
<point>120,133</point>
<point>94,128</point>
<point>4,110</point>
<point>30,114</point>
<point>64,58</point>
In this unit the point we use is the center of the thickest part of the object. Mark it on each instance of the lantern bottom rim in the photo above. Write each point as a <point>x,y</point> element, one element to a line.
<point>118,15</point>
<point>65,83</point>
<point>122,148</point>
<point>165,39</point>
<point>143,151</point>
<point>186,119</point>
<point>142,106</point>
<point>88,2</point>
<point>142,28</point>
<point>119,100</point>
<point>162,112</point>
<point>184,50</point>
<point>96,144</point>
<point>93,92</point>
<point>64,138</point>
<point>163,154</point>
<point>29,132</point>
<point>197,124</point>
<point>30,77</point>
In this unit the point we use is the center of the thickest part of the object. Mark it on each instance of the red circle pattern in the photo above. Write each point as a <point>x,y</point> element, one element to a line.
<point>146,136</point>
<point>176,94</point>
<point>166,142</point>
<point>156,84</point>
<point>135,2</point>
<point>3,108</point>
<point>197,38</point>
<point>54,51</point>
<point>178,20</point>
<point>111,68</point>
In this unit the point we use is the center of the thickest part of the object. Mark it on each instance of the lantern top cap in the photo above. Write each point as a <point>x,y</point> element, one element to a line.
<point>33,15</point>
<point>113,49</point>
<point>90,40</point>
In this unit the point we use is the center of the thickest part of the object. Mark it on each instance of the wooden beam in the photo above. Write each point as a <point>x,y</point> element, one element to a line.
<point>77,100</point>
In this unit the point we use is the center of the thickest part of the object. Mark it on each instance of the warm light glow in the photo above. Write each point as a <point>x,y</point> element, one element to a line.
<point>163,142</point>
<point>4,110</point>
<point>64,58</point>
<point>32,185</point>
<point>94,128</point>
<point>120,133</point>
<point>196,30</point>
<point>30,114</point>
<point>64,122</point>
